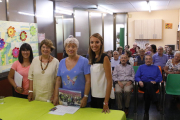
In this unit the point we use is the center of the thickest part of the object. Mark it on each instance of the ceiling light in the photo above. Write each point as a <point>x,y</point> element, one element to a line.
<point>23,13</point>
<point>0,0</point>
<point>104,9</point>
<point>149,6</point>
<point>97,14</point>
<point>63,12</point>
<point>59,16</point>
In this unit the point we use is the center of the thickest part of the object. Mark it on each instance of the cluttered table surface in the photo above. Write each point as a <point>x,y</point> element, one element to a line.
<point>21,109</point>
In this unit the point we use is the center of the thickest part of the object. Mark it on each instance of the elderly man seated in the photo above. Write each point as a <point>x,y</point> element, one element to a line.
<point>123,76</point>
<point>159,58</point>
<point>148,76</point>
<point>116,60</point>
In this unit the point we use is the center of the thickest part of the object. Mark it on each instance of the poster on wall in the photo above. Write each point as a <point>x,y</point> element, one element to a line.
<point>168,25</point>
<point>12,36</point>
<point>41,37</point>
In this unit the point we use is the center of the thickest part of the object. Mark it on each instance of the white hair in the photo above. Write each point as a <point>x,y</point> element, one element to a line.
<point>160,47</point>
<point>177,52</point>
<point>71,40</point>
<point>116,51</point>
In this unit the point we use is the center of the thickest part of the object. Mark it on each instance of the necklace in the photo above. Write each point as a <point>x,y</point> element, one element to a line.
<point>43,70</point>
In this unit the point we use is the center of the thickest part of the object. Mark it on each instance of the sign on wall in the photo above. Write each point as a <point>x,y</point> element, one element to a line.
<point>12,36</point>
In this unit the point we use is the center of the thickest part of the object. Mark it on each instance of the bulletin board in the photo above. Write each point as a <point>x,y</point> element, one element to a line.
<point>12,36</point>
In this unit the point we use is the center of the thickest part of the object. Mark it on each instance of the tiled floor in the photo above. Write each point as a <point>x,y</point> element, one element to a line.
<point>171,110</point>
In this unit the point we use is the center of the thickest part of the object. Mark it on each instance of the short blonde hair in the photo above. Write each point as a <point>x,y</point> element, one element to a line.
<point>71,40</point>
<point>48,43</point>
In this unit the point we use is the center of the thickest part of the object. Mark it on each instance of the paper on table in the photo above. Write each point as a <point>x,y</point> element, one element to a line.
<point>66,109</point>
<point>56,113</point>
<point>18,79</point>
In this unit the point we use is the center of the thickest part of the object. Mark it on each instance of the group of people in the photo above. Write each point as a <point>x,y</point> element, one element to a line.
<point>44,75</point>
<point>154,66</point>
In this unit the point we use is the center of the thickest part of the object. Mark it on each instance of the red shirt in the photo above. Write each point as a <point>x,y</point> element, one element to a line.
<point>133,50</point>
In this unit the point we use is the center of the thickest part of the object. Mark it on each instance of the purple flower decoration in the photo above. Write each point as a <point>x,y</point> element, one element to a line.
<point>15,52</point>
<point>2,43</point>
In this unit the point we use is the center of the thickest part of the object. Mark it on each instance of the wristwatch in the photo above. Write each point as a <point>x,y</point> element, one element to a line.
<point>105,103</point>
<point>85,95</point>
<point>30,91</point>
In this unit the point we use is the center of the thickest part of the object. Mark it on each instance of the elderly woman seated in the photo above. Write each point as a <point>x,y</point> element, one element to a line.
<point>173,65</point>
<point>139,60</point>
<point>130,59</point>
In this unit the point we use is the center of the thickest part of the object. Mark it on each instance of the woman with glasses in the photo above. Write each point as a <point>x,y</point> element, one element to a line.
<point>21,66</point>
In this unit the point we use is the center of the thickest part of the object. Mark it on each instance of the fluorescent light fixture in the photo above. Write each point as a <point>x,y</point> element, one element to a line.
<point>63,12</point>
<point>23,13</point>
<point>29,14</point>
<point>59,16</point>
<point>104,9</point>
<point>149,6</point>
<point>71,19</point>
<point>96,14</point>
<point>0,0</point>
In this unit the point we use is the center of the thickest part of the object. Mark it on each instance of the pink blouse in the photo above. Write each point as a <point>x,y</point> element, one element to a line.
<point>24,72</point>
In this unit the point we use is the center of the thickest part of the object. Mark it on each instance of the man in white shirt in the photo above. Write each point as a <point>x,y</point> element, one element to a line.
<point>116,60</point>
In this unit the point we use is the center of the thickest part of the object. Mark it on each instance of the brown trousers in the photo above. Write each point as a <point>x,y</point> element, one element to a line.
<point>127,94</point>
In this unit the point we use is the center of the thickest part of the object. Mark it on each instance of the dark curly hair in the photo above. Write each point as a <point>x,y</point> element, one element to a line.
<point>154,48</point>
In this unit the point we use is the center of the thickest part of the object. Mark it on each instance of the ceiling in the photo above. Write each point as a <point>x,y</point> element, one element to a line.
<point>117,6</point>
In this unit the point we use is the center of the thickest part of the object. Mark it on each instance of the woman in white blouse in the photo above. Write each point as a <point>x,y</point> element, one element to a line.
<point>101,78</point>
<point>42,73</point>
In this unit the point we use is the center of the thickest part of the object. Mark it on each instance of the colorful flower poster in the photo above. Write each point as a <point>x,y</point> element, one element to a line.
<point>168,25</point>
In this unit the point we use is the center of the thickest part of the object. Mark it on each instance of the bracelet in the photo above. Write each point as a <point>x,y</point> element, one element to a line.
<point>30,91</point>
<point>105,103</point>
<point>85,95</point>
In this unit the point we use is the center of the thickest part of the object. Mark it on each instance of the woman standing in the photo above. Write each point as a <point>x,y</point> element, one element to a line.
<point>101,78</point>
<point>42,73</point>
<point>73,73</point>
<point>22,67</point>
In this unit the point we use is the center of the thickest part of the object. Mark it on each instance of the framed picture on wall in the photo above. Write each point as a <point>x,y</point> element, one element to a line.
<point>168,25</point>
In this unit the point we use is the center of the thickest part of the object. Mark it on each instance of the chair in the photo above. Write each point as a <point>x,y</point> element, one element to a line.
<point>135,68</point>
<point>159,91</point>
<point>172,86</point>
